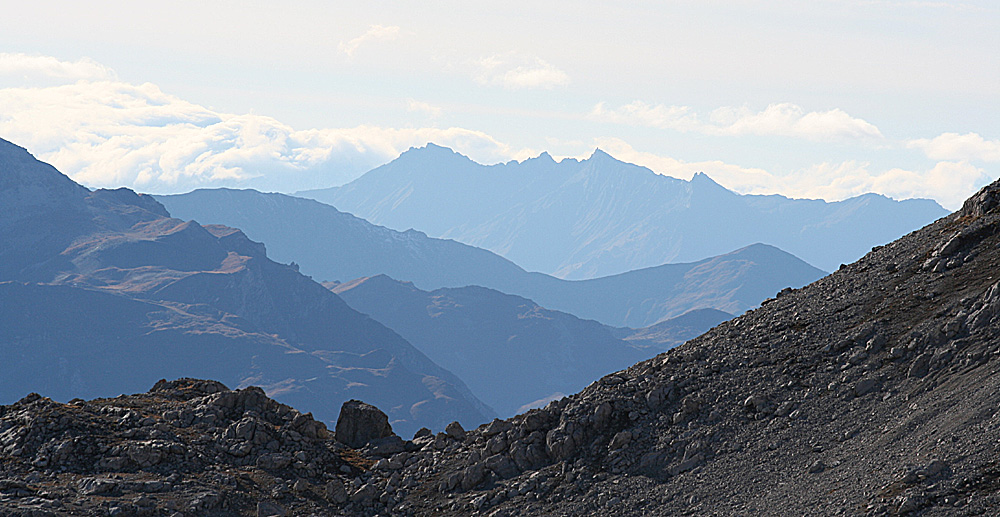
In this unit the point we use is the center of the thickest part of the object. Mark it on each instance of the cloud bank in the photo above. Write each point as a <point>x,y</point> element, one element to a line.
<point>515,71</point>
<point>953,146</point>
<point>112,134</point>
<point>783,119</point>
<point>374,33</point>
<point>27,68</point>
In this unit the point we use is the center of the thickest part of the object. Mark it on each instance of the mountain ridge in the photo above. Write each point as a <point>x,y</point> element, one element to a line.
<point>603,216</point>
<point>533,353</point>
<point>339,246</point>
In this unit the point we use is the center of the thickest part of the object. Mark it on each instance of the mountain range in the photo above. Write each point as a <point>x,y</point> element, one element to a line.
<point>581,219</point>
<point>872,391</point>
<point>104,292</point>
<point>534,354</point>
<point>331,245</point>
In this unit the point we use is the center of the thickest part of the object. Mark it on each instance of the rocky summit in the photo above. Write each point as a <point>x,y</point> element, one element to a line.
<point>873,391</point>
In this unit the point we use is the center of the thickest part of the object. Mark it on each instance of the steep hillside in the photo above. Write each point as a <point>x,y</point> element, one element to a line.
<point>509,351</point>
<point>871,391</point>
<point>600,216</point>
<point>104,293</point>
<point>331,245</point>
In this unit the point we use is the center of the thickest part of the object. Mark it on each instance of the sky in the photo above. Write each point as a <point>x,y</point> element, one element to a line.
<point>820,99</point>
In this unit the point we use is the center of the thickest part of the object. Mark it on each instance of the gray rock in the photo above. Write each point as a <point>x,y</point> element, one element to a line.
<point>274,460</point>
<point>620,440</point>
<point>270,509</point>
<point>920,366</point>
<point>602,415</point>
<point>335,492</point>
<point>364,494</point>
<point>95,486</point>
<point>472,476</point>
<point>455,430</point>
<point>687,464</point>
<point>360,423</point>
<point>865,386</point>
<point>656,397</point>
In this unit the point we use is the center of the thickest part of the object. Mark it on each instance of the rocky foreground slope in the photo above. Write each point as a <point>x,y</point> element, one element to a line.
<point>873,391</point>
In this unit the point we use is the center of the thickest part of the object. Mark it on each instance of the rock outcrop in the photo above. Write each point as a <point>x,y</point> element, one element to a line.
<point>188,446</point>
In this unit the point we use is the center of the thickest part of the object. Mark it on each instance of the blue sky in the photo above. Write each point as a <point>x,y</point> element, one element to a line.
<point>809,99</point>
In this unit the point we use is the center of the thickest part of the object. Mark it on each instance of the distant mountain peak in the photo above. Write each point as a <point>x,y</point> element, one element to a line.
<point>432,155</point>
<point>20,170</point>
<point>700,178</point>
<point>600,154</point>
<point>545,157</point>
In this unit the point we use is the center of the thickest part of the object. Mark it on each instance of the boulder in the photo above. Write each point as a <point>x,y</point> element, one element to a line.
<point>360,423</point>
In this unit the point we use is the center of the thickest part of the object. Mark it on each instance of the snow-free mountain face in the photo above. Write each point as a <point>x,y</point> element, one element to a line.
<point>103,293</point>
<point>331,245</point>
<point>512,353</point>
<point>600,216</point>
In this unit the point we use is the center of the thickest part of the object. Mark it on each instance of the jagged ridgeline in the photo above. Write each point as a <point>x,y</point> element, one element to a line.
<point>871,391</point>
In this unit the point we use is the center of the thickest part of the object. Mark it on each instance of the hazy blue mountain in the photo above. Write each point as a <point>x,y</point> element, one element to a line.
<point>600,216</point>
<point>674,331</point>
<point>331,245</point>
<point>103,293</point>
<point>510,352</point>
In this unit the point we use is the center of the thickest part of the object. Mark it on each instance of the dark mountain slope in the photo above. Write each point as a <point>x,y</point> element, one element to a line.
<point>331,245</point>
<point>170,295</point>
<point>600,216</point>
<point>509,351</point>
<point>871,391</point>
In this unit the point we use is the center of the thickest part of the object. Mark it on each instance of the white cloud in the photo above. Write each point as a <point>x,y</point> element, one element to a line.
<point>34,68</point>
<point>515,71</point>
<point>782,119</point>
<point>374,32</point>
<point>423,107</point>
<point>112,134</point>
<point>953,146</point>
<point>787,119</point>
<point>638,113</point>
